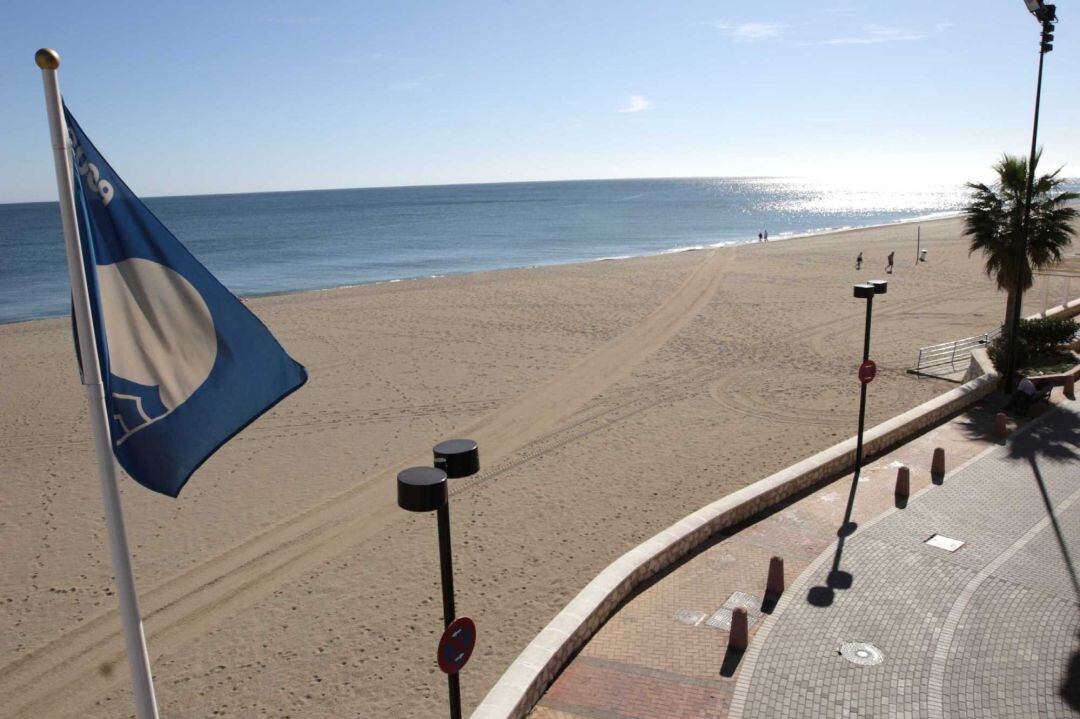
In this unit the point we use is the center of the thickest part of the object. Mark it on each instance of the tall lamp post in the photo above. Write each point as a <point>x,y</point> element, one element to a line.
<point>424,489</point>
<point>867,372</point>
<point>1047,16</point>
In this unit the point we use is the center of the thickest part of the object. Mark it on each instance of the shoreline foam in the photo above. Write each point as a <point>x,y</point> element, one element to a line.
<point>779,237</point>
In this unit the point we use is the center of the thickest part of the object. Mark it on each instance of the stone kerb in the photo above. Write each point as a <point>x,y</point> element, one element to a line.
<point>1069,309</point>
<point>1058,378</point>
<point>524,683</point>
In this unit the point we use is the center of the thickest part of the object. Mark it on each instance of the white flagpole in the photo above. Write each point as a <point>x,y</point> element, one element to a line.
<point>142,683</point>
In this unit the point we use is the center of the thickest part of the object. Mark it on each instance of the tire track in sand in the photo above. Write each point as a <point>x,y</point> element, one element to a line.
<point>730,393</point>
<point>188,606</point>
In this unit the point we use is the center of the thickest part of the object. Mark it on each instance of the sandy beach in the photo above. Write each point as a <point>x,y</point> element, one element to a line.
<point>609,399</point>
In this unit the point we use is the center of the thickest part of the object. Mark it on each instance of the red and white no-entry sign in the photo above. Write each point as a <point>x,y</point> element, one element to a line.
<point>867,371</point>
<point>456,645</point>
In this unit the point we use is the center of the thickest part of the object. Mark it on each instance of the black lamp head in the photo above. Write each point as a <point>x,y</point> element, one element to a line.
<point>880,286</point>
<point>457,457</point>
<point>864,291</point>
<point>421,489</point>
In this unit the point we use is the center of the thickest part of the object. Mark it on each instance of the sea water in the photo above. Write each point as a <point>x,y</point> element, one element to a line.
<point>289,241</point>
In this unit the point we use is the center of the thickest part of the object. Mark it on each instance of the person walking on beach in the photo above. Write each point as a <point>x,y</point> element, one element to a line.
<point>759,237</point>
<point>766,235</point>
<point>858,262</point>
<point>889,264</point>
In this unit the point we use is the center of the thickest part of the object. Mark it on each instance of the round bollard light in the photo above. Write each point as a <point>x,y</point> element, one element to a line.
<point>864,290</point>
<point>421,489</point>
<point>457,457</point>
<point>880,286</point>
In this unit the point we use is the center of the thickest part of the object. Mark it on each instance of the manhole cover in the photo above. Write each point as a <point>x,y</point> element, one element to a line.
<point>861,653</point>
<point>689,616</point>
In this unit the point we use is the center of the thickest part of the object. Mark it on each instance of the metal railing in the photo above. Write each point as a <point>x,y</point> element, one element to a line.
<point>945,358</point>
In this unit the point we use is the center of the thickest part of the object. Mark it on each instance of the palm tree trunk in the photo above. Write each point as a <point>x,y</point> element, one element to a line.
<point>1009,313</point>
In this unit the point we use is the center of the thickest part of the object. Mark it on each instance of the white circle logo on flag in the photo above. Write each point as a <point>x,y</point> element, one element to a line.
<point>159,330</point>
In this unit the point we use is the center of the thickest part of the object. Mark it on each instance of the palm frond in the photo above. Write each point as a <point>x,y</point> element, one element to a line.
<point>994,221</point>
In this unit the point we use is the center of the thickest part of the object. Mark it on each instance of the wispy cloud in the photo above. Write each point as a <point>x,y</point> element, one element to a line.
<point>405,85</point>
<point>749,31</point>
<point>638,104</point>
<point>875,35</point>
<point>942,26</point>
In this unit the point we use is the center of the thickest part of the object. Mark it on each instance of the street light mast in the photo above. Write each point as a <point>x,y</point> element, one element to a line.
<point>1047,15</point>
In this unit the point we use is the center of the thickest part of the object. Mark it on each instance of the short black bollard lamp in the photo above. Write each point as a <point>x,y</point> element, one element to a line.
<point>424,489</point>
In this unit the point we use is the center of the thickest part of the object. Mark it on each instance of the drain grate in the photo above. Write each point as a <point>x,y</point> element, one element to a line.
<point>689,616</point>
<point>721,618</point>
<point>862,653</point>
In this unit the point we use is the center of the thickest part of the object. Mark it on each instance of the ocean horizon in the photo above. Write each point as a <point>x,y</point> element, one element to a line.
<point>276,242</point>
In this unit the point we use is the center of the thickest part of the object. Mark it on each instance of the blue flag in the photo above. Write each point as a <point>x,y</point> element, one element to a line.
<point>185,365</point>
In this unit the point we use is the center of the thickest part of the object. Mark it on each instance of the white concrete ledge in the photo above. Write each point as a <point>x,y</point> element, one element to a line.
<point>522,685</point>
<point>1069,309</point>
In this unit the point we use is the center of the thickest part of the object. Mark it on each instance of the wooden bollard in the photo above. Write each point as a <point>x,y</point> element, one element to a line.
<point>903,482</point>
<point>1001,425</point>
<point>739,636</point>
<point>937,467</point>
<point>774,585</point>
<point>1070,386</point>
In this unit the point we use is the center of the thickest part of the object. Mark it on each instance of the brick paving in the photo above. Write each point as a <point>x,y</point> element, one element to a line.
<point>988,630</point>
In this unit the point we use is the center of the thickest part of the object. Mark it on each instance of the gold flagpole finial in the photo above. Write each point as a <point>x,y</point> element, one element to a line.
<point>47,58</point>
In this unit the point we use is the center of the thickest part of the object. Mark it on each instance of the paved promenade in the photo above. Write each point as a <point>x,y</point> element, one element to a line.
<point>879,623</point>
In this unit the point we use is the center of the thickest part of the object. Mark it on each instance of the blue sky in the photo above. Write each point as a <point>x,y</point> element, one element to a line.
<point>194,97</point>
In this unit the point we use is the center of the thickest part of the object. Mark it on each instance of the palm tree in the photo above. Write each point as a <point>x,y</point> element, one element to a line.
<point>994,220</point>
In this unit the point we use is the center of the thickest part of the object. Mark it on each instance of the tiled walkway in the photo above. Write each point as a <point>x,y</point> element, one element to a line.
<point>987,630</point>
